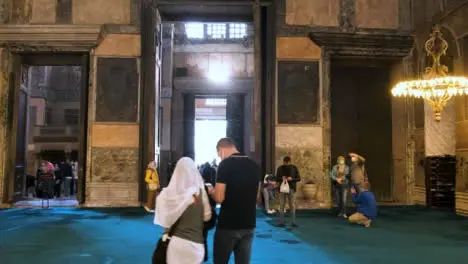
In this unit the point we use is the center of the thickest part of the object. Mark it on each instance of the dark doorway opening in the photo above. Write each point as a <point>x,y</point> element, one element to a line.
<point>361,119</point>
<point>51,126</point>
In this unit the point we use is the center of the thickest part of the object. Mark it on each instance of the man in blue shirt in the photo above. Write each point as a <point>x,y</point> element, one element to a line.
<point>367,206</point>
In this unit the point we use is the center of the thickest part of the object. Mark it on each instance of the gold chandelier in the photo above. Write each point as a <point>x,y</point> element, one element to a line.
<point>436,87</point>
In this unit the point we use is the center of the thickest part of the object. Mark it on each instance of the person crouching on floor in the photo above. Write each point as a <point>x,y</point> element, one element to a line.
<point>152,183</point>
<point>367,206</point>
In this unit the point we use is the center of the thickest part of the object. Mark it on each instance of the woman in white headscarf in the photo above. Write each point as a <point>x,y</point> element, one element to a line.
<point>183,205</point>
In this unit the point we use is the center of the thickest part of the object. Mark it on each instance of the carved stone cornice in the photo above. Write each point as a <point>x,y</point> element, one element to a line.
<point>29,38</point>
<point>364,44</point>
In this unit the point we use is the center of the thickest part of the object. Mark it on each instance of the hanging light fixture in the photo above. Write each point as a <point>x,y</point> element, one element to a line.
<point>436,87</point>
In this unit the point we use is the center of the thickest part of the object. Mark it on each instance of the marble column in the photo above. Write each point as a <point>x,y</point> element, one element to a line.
<point>6,78</point>
<point>167,76</point>
<point>440,135</point>
<point>440,140</point>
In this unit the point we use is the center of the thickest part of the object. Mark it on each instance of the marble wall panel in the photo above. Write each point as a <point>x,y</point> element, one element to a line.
<point>304,145</point>
<point>119,45</point>
<point>115,135</point>
<point>5,8</point>
<point>297,48</point>
<point>298,92</point>
<point>43,11</point>
<point>117,90</point>
<point>377,14</point>
<point>21,11</point>
<point>95,12</point>
<point>461,203</point>
<point>112,194</point>
<point>116,164</point>
<point>312,12</point>
<point>440,135</point>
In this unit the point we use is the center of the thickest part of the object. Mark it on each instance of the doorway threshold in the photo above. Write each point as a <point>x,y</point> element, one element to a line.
<point>52,203</point>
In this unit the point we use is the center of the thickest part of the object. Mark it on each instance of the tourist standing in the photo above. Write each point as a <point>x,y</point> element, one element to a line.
<point>237,190</point>
<point>152,185</point>
<point>339,178</point>
<point>287,174</point>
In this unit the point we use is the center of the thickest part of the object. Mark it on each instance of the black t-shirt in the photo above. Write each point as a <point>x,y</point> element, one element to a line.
<point>242,177</point>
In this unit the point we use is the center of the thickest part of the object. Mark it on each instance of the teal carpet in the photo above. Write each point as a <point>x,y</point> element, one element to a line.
<point>127,236</point>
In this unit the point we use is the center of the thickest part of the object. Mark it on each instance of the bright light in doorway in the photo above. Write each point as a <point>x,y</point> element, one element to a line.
<point>194,30</point>
<point>207,134</point>
<point>218,73</point>
<point>216,102</point>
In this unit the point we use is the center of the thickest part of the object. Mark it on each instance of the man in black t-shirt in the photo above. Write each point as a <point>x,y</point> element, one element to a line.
<point>237,190</point>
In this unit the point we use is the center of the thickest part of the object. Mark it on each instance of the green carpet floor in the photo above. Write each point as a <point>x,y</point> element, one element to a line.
<point>114,236</point>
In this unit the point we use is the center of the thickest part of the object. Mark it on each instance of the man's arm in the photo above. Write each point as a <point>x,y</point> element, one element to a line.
<point>219,192</point>
<point>297,176</point>
<point>356,198</point>
<point>279,177</point>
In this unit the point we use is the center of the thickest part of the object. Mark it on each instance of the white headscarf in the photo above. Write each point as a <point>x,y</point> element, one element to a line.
<point>173,200</point>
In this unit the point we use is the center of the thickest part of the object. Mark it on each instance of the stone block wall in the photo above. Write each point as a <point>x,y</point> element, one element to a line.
<point>113,137</point>
<point>6,68</point>
<point>303,142</point>
<point>113,146</point>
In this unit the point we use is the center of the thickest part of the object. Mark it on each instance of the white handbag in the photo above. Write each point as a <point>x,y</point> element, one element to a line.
<point>284,188</point>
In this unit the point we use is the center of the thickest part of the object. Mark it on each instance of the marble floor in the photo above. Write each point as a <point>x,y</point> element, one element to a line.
<point>120,235</point>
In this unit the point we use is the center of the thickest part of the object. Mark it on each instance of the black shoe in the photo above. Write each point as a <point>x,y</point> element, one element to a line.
<point>294,225</point>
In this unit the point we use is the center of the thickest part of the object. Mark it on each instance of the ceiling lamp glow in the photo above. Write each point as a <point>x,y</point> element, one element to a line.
<point>436,87</point>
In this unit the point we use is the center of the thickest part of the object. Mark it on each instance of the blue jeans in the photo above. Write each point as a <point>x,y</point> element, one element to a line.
<point>268,196</point>
<point>226,241</point>
<point>291,197</point>
<point>341,195</point>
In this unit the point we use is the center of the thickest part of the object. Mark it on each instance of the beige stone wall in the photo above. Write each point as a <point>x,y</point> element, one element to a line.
<point>84,12</point>
<point>312,13</point>
<point>108,182</point>
<point>374,14</point>
<point>5,70</point>
<point>101,12</point>
<point>43,11</point>
<point>380,14</point>
<point>103,139</point>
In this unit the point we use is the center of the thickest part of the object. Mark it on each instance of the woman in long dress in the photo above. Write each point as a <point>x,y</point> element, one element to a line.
<point>183,205</point>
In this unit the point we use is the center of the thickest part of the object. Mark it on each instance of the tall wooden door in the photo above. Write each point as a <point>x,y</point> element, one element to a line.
<point>361,122</point>
<point>235,119</point>
<point>21,143</point>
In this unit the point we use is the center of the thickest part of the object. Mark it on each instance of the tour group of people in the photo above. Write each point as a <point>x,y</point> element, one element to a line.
<point>52,181</point>
<point>186,208</point>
